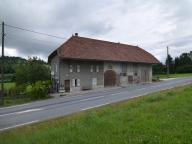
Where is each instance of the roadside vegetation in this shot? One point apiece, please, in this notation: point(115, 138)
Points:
point(164, 76)
point(179, 67)
point(31, 81)
point(162, 117)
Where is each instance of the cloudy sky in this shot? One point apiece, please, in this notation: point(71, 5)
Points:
point(151, 24)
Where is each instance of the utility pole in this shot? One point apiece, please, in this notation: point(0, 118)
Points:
point(2, 64)
point(167, 61)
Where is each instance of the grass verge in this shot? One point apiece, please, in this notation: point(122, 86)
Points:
point(162, 117)
point(173, 75)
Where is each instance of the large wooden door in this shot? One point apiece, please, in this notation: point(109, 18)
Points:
point(109, 78)
point(67, 85)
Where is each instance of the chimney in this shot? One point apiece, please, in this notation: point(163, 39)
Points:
point(76, 34)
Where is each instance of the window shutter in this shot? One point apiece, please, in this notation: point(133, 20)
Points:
point(73, 82)
point(78, 82)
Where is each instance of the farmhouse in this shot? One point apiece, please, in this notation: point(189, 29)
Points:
point(84, 63)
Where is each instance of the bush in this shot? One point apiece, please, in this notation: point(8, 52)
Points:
point(39, 90)
point(17, 91)
point(184, 69)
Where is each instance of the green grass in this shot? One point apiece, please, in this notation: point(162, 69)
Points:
point(174, 75)
point(162, 117)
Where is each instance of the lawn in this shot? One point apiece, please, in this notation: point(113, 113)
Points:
point(162, 117)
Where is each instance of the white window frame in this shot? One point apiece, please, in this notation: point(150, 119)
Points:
point(91, 68)
point(78, 68)
point(70, 68)
point(97, 68)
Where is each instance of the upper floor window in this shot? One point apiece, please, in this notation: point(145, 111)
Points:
point(124, 68)
point(110, 67)
point(70, 68)
point(78, 68)
point(91, 68)
point(97, 68)
point(56, 67)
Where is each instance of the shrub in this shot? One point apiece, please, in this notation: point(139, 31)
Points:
point(39, 90)
point(184, 69)
point(17, 91)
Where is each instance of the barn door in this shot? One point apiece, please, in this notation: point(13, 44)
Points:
point(109, 78)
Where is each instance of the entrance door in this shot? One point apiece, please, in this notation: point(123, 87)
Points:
point(109, 78)
point(67, 85)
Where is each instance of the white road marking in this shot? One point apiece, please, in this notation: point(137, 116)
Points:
point(26, 111)
point(19, 125)
point(94, 106)
point(20, 112)
point(92, 98)
point(116, 93)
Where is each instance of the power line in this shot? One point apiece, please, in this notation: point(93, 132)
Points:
point(32, 31)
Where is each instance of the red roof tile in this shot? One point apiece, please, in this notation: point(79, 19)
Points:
point(91, 49)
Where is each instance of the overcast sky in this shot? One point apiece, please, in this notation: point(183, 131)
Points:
point(150, 24)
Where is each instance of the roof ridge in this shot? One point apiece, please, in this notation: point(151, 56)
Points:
point(112, 42)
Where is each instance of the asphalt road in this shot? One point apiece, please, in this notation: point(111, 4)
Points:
point(16, 116)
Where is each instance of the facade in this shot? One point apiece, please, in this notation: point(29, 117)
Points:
point(83, 64)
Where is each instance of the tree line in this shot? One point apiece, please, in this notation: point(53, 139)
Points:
point(181, 64)
point(10, 63)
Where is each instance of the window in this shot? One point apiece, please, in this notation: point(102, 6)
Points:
point(70, 68)
point(124, 68)
point(91, 68)
point(55, 67)
point(97, 68)
point(75, 82)
point(78, 82)
point(94, 81)
point(110, 67)
point(78, 68)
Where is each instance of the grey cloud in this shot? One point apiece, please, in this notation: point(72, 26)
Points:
point(61, 18)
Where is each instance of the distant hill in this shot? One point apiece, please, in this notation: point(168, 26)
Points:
point(10, 63)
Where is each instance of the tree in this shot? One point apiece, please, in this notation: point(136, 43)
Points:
point(170, 61)
point(159, 69)
point(31, 71)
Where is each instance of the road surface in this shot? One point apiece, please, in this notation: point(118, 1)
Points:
point(20, 115)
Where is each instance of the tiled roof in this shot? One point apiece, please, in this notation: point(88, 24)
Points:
point(91, 49)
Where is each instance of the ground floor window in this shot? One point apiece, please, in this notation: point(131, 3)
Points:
point(75, 82)
point(94, 81)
